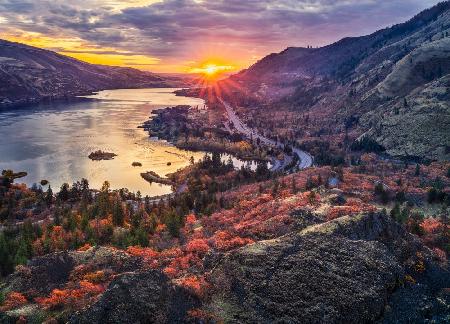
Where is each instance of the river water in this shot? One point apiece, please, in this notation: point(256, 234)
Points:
point(52, 141)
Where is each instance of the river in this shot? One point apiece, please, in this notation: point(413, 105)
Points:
point(52, 141)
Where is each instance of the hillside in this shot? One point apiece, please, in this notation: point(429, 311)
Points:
point(392, 84)
point(30, 74)
point(241, 255)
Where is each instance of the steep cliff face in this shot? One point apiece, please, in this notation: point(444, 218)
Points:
point(392, 79)
point(29, 74)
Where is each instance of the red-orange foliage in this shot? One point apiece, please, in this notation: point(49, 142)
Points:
point(160, 228)
point(38, 247)
point(96, 277)
point(171, 272)
point(171, 253)
point(440, 254)
point(352, 207)
point(85, 247)
point(201, 315)
point(431, 225)
point(72, 297)
point(225, 241)
point(13, 300)
point(195, 284)
point(199, 246)
point(149, 255)
point(143, 252)
point(190, 219)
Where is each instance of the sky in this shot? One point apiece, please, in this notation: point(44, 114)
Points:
point(189, 35)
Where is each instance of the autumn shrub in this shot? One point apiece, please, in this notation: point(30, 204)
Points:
point(13, 300)
point(431, 225)
point(85, 247)
point(202, 315)
point(142, 252)
point(199, 246)
point(171, 272)
point(97, 277)
point(71, 297)
point(440, 255)
point(352, 207)
point(195, 284)
point(225, 241)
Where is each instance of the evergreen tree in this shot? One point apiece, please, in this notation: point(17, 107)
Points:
point(173, 223)
point(275, 187)
point(117, 213)
point(22, 253)
point(417, 172)
point(432, 195)
point(140, 237)
point(49, 196)
point(6, 263)
point(64, 194)
point(395, 212)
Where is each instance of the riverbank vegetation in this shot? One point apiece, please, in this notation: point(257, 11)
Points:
point(202, 130)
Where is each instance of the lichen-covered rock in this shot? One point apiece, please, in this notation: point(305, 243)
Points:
point(140, 297)
point(53, 271)
point(343, 271)
point(41, 275)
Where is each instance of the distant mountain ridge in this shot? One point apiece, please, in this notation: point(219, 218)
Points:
point(395, 82)
point(29, 74)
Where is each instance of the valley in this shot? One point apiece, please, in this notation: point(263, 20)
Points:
point(312, 186)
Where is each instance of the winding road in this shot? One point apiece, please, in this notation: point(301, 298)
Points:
point(305, 159)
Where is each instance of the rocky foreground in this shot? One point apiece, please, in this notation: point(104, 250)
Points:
point(348, 270)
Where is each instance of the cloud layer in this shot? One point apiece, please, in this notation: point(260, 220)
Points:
point(178, 33)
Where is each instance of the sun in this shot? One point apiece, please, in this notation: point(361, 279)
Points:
point(212, 70)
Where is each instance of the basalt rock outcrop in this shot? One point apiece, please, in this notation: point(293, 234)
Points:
point(344, 271)
point(140, 297)
point(354, 269)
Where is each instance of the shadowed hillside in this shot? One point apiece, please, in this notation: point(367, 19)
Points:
point(29, 74)
point(394, 82)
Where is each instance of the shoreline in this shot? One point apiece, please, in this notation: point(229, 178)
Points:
point(173, 124)
point(25, 103)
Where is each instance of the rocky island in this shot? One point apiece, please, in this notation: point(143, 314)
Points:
point(13, 175)
point(100, 155)
point(152, 176)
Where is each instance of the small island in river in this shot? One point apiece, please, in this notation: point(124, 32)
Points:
point(100, 155)
point(152, 176)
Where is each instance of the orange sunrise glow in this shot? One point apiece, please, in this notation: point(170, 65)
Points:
point(212, 70)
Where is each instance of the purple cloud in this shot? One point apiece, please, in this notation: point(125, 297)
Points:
point(174, 29)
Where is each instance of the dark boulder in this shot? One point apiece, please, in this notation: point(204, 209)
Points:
point(42, 274)
point(140, 297)
point(343, 271)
